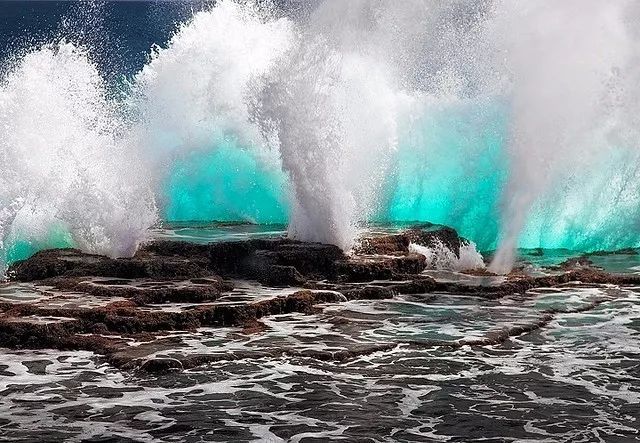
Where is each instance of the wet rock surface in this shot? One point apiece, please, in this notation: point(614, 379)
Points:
point(272, 339)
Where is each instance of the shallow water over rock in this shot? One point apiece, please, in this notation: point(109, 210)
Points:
point(550, 355)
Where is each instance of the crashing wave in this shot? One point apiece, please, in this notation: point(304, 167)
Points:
point(485, 116)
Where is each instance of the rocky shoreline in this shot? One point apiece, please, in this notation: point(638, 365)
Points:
point(126, 309)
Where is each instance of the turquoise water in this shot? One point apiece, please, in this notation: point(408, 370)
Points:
point(451, 170)
point(21, 246)
point(226, 184)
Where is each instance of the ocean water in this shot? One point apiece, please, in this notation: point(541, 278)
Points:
point(514, 122)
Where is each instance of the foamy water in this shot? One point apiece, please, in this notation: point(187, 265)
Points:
point(576, 379)
point(440, 257)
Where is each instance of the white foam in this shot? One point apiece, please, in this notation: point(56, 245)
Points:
point(64, 162)
point(442, 258)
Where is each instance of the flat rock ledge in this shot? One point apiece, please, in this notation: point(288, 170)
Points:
point(78, 301)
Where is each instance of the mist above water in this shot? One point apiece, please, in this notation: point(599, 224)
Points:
point(570, 65)
point(513, 122)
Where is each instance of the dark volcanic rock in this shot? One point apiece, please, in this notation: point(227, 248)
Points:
point(52, 263)
point(73, 263)
point(398, 244)
point(277, 261)
point(148, 291)
point(35, 332)
point(278, 275)
point(383, 244)
point(267, 260)
point(97, 303)
point(161, 365)
point(369, 293)
point(432, 238)
point(363, 269)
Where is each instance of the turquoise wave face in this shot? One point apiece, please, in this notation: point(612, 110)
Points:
point(595, 209)
point(22, 246)
point(226, 184)
point(451, 168)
